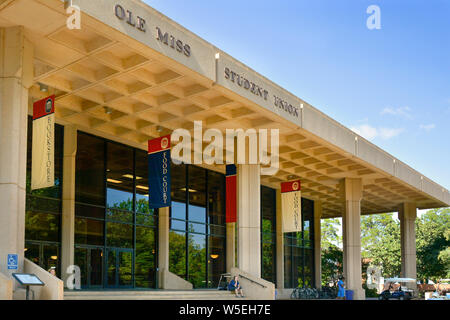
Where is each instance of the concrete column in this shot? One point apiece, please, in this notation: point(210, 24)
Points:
point(163, 242)
point(317, 244)
point(231, 246)
point(249, 219)
point(280, 243)
point(16, 77)
point(351, 190)
point(407, 215)
point(68, 201)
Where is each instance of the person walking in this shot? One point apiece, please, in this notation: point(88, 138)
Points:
point(341, 288)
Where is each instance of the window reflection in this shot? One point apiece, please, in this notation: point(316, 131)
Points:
point(204, 252)
point(268, 235)
point(299, 251)
point(90, 170)
point(197, 260)
point(43, 210)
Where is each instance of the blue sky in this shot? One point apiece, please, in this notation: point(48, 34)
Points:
point(391, 85)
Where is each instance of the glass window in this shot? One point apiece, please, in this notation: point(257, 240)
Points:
point(216, 198)
point(204, 256)
point(197, 260)
point(177, 253)
point(119, 235)
point(42, 226)
point(87, 211)
point(43, 209)
point(216, 260)
point(178, 193)
point(90, 170)
point(145, 262)
point(299, 251)
point(268, 233)
point(178, 180)
point(88, 231)
point(197, 194)
point(120, 177)
point(142, 183)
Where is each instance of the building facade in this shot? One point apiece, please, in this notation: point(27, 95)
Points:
point(129, 75)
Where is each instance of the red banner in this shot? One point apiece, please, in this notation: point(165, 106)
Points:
point(159, 144)
point(231, 189)
point(43, 107)
point(290, 186)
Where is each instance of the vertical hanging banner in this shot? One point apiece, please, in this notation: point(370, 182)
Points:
point(43, 149)
point(231, 193)
point(291, 206)
point(159, 172)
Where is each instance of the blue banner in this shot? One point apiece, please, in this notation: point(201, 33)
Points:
point(159, 173)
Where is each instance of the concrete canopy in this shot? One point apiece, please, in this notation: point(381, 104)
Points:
point(116, 81)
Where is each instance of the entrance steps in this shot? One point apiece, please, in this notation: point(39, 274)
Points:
point(151, 295)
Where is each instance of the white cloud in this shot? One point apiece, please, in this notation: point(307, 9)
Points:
point(366, 131)
point(427, 127)
point(404, 112)
point(387, 133)
point(370, 133)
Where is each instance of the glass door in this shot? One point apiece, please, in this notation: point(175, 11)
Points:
point(119, 273)
point(90, 262)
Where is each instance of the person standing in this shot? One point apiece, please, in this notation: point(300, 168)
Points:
point(341, 288)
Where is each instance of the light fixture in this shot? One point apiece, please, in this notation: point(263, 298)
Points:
point(217, 56)
point(190, 190)
point(54, 257)
point(43, 87)
point(159, 128)
point(214, 256)
point(130, 176)
point(113, 181)
point(108, 110)
point(26, 249)
point(142, 187)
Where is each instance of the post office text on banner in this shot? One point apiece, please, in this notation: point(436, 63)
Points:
point(43, 147)
point(159, 182)
point(291, 206)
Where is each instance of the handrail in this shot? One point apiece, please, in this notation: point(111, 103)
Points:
point(251, 280)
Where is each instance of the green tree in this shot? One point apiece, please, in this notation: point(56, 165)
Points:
point(432, 242)
point(444, 255)
point(332, 256)
point(380, 243)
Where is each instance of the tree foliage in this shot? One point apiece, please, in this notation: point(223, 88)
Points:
point(433, 243)
point(381, 245)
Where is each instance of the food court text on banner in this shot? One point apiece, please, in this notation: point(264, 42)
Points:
point(159, 172)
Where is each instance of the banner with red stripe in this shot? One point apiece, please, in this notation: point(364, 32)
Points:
point(43, 144)
point(291, 206)
point(231, 193)
point(159, 180)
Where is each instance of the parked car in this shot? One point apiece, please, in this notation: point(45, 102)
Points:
point(397, 288)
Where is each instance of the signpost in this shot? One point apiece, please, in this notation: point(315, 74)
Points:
point(28, 280)
point(13, 261)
